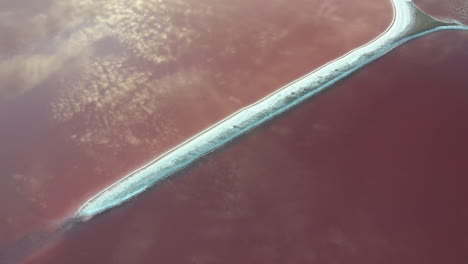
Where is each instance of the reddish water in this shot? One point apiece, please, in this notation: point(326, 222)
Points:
point(370, 173)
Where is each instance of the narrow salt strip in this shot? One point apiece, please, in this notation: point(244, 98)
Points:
point(409, 22)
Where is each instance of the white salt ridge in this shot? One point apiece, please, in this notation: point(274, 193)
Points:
point(409, 22)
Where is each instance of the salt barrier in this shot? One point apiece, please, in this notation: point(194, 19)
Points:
point(409, 22)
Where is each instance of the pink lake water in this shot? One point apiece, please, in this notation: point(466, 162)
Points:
point(373, 171)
